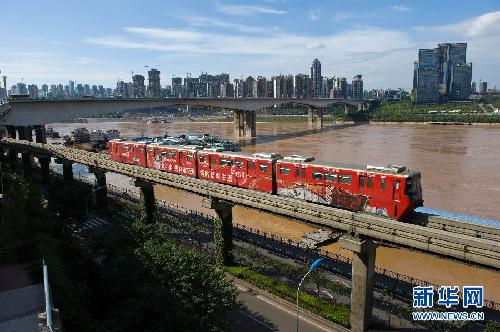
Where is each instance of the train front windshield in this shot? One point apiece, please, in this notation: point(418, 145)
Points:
point(414, 189)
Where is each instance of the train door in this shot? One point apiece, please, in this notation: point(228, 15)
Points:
point(396, 192)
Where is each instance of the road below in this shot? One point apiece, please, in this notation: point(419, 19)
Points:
point(261, 311)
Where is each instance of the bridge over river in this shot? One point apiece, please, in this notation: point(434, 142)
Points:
point(33, 112)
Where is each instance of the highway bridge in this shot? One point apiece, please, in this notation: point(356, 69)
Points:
point(469, 242)
point(32, 112)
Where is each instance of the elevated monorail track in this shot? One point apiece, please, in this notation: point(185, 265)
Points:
point(475, 243)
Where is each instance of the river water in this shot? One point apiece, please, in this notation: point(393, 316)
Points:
point(460, 168)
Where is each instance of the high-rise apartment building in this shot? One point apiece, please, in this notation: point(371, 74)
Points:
point(340, 88)
point(33, 91)
point(154, 87)
point(483, 86)
point(139, 87)
point(301, 86)
point(177, 87)
point(357, 87)
point(473, 87)
point(259, 89)
point(71, 85)
point(316, 79)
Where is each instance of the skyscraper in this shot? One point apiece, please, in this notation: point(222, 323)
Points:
point(357, 87)
point(154, 87)
point(71, 88)
point(483, 86)
point(316, 79)
point(427, 79)
point(449, 63)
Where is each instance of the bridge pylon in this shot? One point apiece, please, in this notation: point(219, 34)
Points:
point(245, 124)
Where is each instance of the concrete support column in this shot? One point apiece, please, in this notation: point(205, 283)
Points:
point(223, 232)
point(310, 118)
point(100, 188)
point(319, 118)
point(12, 153)
point(346, 109)
point(44, 168)
point(40, 134)
point(245, 124)
point(67, 170)
point(25, 133)
point(363, 269)
point(148, 199)
point(11, 132)
point(314, 118)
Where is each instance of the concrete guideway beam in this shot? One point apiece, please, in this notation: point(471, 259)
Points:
point(245, 124)
point(223, 230)
point(147, 198)
point(453, 242)
point(100, 188)
point(363, 270)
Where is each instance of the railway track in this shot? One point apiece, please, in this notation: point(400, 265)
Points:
point(466, 241)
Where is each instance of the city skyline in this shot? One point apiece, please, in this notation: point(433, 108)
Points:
point(378, 40)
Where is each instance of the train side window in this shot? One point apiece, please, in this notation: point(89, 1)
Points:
point(151, 151)
point(251, 165)
point(222, 162)
point(238, 163)
point(124, 148)
point(297, 172)
point(163, 154)
point(229, 162)
point(181, 155)
point(303, 172)
point(189, 156)
point(382, 183)
point(202, 158)
point(317, 176)
point(345, 178)
point(263, 168)
point(362, 181)
point(370, 182)
point(396, 184)
point(332, 177)
point(284, 170)
point(213, 162)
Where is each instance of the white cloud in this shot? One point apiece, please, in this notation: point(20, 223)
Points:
point(314, 14)
point(247, 10)
point(401, 9)
point(486, 24)
point(200, 21)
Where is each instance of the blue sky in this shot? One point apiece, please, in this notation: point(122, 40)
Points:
point(101, 41)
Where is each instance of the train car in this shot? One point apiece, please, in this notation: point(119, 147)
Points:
point(389, 191)
point(128, 152)
point(251, 171)
point(172, 159)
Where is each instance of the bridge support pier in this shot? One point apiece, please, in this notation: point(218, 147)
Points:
point(67, 170)
point(147, 198)
point(11, 153)
point(25, 133)
point(315, 118)
point(223, 232)
point(40, 135)
point(44, 168)
point(363, 269)
point(245, 124)
point(100, 188)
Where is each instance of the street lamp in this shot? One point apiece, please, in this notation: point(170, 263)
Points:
point(312, 267)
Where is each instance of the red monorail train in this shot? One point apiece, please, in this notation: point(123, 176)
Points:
point(389, 191)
